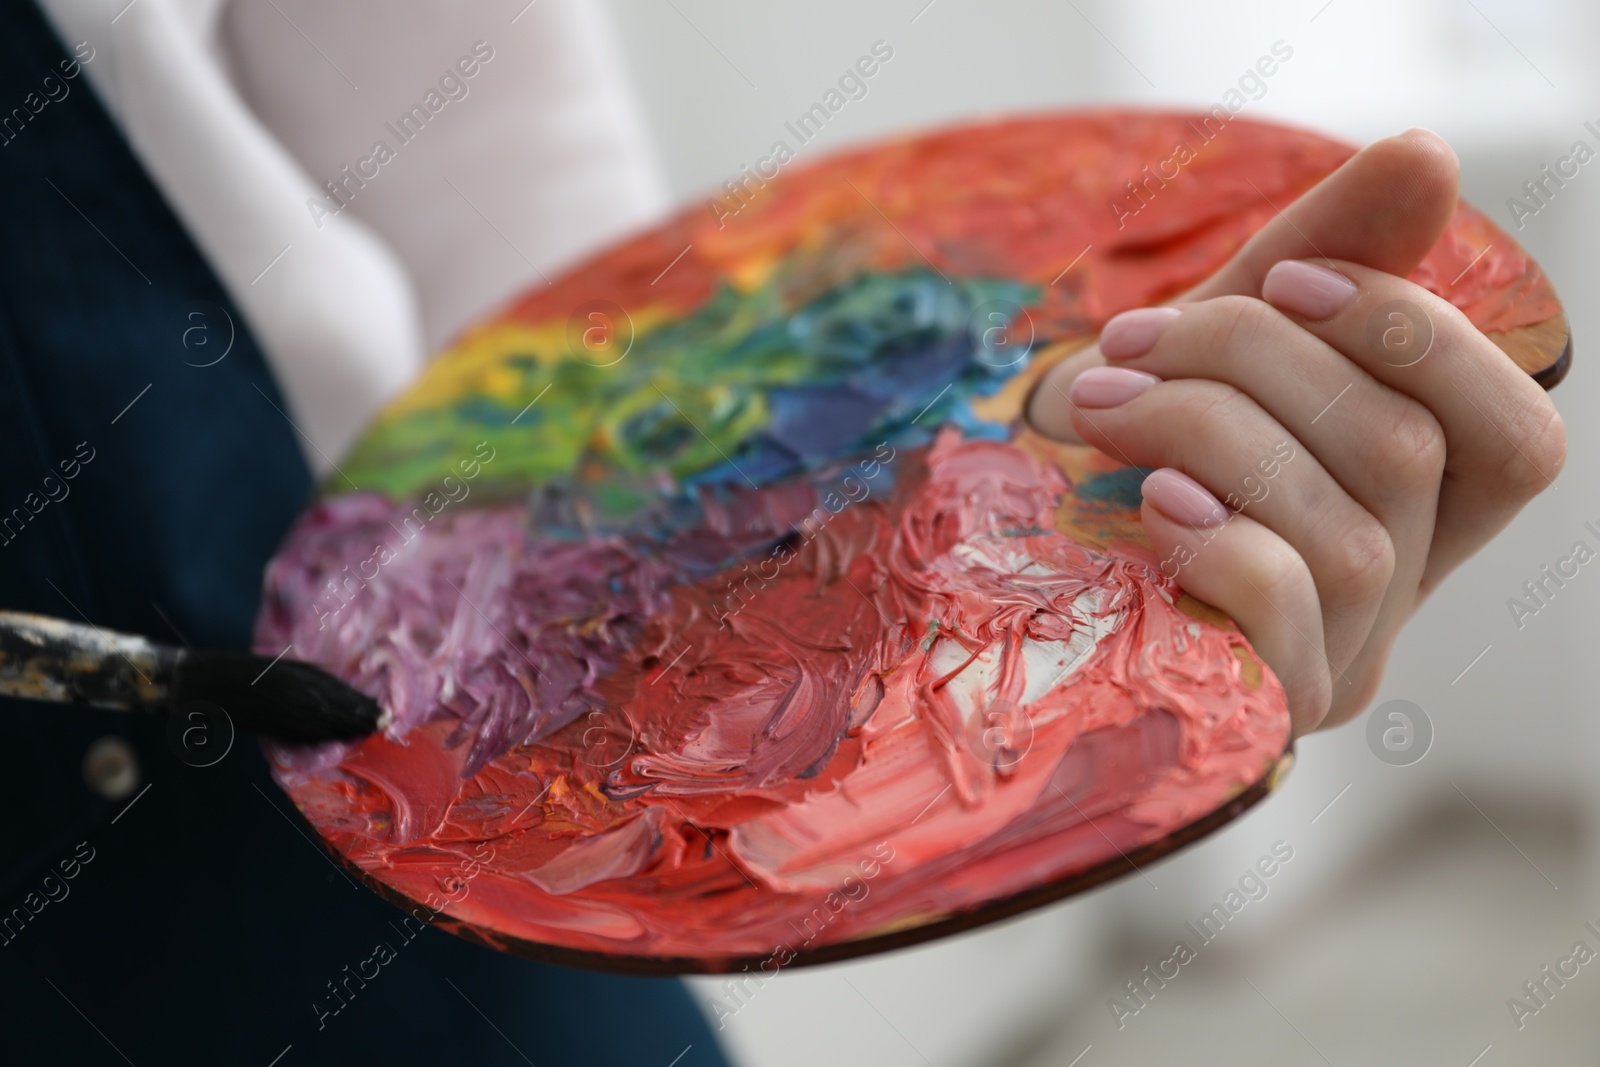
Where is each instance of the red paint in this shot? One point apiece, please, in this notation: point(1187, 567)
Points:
point(821, 734)
point(1023, 198)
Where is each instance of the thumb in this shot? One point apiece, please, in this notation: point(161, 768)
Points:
point(1384, 208)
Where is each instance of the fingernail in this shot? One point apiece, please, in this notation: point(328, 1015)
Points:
point(1106, 387)
point(1182, 499)
point(1132, 333)
point(1307, 289)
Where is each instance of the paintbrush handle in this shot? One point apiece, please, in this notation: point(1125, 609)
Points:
point(48, 659)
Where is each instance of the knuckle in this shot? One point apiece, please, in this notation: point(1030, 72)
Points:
point(1414, 452)
point(1282, 578)
point(1360, 564)
point(1310, 697)
point(1539, 454)
point(1206, 407)
point(1354, 695)
point(1236, 323)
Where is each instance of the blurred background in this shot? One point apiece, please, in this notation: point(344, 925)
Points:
point(1426, 887)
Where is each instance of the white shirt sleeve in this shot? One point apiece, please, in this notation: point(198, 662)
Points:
point(242, 110)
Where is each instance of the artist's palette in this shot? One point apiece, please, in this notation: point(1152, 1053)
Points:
point(728, 615)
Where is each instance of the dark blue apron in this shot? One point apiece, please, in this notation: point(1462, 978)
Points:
point(157, 903)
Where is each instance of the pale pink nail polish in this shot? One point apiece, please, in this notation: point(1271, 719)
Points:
point(1106, 387)
point(1132, 333)
point(1182, 499)
point(1307, 289)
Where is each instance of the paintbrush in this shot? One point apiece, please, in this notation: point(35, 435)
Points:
point(61, 662)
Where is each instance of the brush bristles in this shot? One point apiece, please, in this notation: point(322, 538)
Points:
point(285, 701)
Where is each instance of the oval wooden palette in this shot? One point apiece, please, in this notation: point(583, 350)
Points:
point(730, 618)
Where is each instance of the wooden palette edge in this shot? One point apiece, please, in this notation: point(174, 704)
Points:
point(1000, 910)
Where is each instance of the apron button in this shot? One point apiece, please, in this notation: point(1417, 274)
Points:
point(111, 768)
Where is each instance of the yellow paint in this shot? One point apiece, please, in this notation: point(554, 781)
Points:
point(479, 364)
point(1199, 609)
point(1280, 770)
point(906, 922)
point(1006, 405)
point(1249, 667)
point(751, 274)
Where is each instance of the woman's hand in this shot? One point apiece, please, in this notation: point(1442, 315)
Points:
point(1315, 483)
